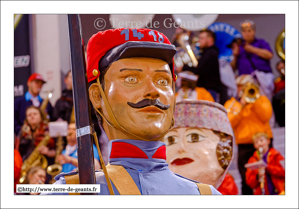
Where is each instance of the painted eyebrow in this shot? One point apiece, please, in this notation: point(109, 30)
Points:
point(163, 71)
point(188, 129)
point(139, 70)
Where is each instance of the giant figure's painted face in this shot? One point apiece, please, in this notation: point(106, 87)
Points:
point(132, 82)
point(196, 148)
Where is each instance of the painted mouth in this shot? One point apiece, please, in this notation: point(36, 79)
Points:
point(151, 109)
point(182, 161)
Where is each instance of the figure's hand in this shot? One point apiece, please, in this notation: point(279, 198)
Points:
point(249, 48)
point(69, 159)
point(43, 150)
point(46, 151)
point(62, 159)
point(235, 49)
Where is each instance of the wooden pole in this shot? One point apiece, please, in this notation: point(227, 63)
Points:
point(81, 103)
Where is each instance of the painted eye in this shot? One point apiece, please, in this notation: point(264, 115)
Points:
point(162, 82)
point(131, 79)
point(194, 137)
point(170, 140)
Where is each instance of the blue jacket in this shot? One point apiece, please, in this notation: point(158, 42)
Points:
point(145, 162)
point(20, 106)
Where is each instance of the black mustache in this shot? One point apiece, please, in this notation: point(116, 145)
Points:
point(149, 102)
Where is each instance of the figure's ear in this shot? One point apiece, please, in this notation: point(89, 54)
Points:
point(95, 96)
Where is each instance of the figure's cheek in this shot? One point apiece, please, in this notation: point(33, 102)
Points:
point(171, 151)
point(199, 154)
point(119, 109)
point(171, 96)
point(111, 90)
point(167, 94)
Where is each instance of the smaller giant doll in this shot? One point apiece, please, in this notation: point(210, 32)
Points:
point(200, 145)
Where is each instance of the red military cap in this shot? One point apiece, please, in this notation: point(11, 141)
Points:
point(36, 76)
point(108, 46)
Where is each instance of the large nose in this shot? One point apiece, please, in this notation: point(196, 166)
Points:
point(181, 147)
point(151, 91)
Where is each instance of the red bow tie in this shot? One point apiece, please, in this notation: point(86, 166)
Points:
point(126, 150)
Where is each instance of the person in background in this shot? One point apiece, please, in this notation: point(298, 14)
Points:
point(188, 89)
point(179, 31)
point(36, 175)
point(246, 120)
point(278, 100)
point(31, 98)
point(208, 65)
point(252, 56)
point(273, 175)
point(64, 105)
point(69, 158)
point(33, 132)
point(279, 82)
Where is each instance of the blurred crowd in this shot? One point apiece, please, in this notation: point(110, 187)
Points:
point(254, 99)
point(255, 107)
point(39, 156)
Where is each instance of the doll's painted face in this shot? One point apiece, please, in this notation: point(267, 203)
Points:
point(129, 83)
point(191, 152)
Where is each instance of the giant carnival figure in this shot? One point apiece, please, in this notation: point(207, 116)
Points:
point(131, 88)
